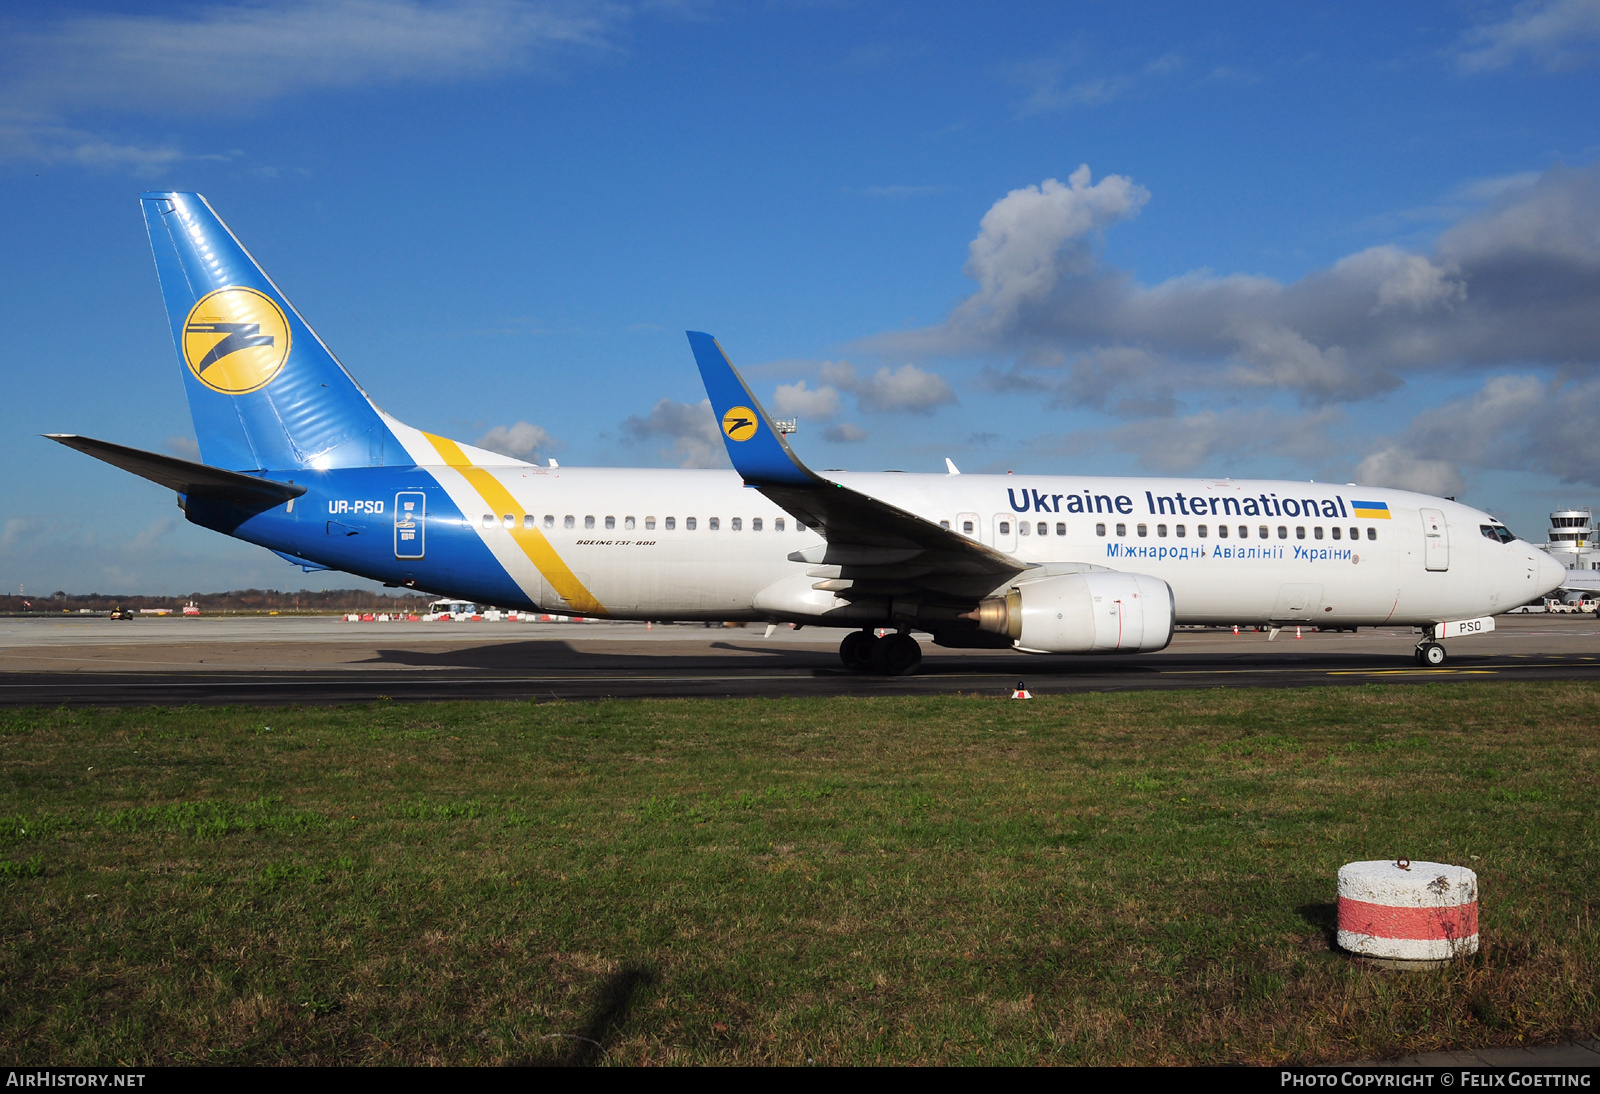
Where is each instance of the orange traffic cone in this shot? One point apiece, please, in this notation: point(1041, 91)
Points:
point(1236, 628)
point(1297, 633)
point(1021, 692)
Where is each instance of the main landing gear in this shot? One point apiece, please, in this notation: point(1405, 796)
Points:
point(892, 655)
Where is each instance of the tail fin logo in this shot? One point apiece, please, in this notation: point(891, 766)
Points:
point(235, 340)
point(739, 423)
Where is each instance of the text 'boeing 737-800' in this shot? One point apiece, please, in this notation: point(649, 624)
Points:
point(297, 459)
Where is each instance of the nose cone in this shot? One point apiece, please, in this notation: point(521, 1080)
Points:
point(1551, 573)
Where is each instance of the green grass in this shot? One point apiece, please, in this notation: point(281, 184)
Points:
point(1100, 879)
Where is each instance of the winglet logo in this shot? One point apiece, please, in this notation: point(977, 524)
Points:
point(740, 423)
point(235, 340)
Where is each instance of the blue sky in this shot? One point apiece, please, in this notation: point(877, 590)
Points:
point(1337, 242)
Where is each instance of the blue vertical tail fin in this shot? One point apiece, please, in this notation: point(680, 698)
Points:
point(265, 393)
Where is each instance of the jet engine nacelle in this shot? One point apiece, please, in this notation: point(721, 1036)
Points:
point(1100, 612)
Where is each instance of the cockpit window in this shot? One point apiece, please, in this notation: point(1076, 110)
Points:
point(1497, 532)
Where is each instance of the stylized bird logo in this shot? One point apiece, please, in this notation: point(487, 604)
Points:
point(235, 340)
point(740, 423)
point(239, 336)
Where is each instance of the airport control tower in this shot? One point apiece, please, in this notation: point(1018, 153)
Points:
point(1572, 539)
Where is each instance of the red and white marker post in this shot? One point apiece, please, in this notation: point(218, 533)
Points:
point(1408, 911)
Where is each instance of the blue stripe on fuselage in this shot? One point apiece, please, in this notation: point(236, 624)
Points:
point(345, 521)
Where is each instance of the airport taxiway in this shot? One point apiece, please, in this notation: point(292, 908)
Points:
point(169, 660)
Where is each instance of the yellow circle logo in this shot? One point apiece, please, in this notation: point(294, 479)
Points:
point(740, 423)
point(235, 340)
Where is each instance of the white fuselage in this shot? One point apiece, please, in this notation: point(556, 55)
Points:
point(1273, 563)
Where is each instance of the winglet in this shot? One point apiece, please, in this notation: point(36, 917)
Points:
point(758, 451)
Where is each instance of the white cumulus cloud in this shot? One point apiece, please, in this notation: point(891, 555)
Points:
point(1554, 34)
point(523, 441)
point(907, 388)
point(689, 429)
point(1515, 283)
point(1034, 234)
point(796, 399)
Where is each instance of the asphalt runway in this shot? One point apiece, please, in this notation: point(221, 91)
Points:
point(276, 660)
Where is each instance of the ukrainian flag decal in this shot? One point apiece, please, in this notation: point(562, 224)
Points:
point(1378, 510)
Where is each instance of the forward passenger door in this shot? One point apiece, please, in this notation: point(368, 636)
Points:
point(1436, 540)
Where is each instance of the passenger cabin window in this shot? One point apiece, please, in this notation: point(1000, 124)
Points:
point(688, 524)
point(945, 525)
point(649, 524)
point(1337, 532)
point(777, 524)
point(1283, 533)
point(1122, 529)
point(799, 527)
point(736, 524)
point(488, 520)
point(1023, 527)
point(529, 520)
point(1005, 528)
point(611, 523)
point(568, 521)
point(627, 523)
point(588, 522)
point(549, 520)
point(1300, 531)
point(1262, 531)
point(1181, 531)
point(714, 524)
point(508, 521)
point(1200, 530)
point(1161, 530)
point(1355, 533)
point(1061, 529)
point(755, 524)
point(1222, 531)
point(1144, 530)
point(1099, 529)
point(1316, 533)
point(1372, 533)
point(1044, 529)
point(672, 522)
point(966, 527)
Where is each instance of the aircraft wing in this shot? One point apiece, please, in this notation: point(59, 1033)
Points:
point(186, 477)
point(1582, 581)
point(881, 548)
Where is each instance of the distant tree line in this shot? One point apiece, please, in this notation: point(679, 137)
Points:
point(237, 600)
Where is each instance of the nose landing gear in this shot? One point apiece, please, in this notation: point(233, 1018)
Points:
point(892, 655)
point(1430, 654)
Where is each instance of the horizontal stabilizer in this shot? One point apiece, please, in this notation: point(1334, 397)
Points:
point(184, 476)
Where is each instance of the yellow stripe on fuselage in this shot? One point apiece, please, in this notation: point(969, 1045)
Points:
point(531, 540)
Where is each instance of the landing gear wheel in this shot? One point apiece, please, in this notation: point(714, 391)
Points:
point(1431, 654)
point(856, 650)
point(896, 655)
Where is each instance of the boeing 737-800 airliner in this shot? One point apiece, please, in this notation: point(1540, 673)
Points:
point(297, 459)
